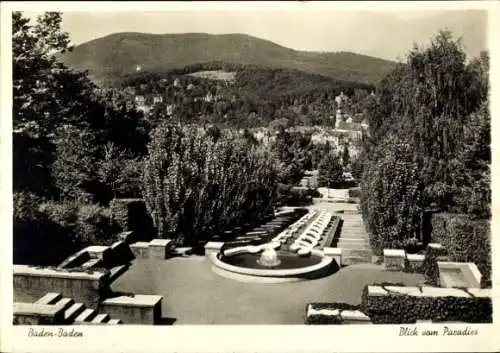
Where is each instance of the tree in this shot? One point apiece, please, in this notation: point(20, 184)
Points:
point(426, 123)
point(330, 172)
point(391, 195)
point(49, 100)
point(345, 155)
point(196, 186)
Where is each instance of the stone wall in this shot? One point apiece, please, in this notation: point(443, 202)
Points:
point(31, 283)
point(136, 309)
point(37, 314)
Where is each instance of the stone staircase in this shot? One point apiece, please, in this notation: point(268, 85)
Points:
point(76, 313)
point(354, 240)
point(335, 194)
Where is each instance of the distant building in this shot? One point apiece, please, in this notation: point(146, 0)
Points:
point(209, 97)
point(177, 83)
point(341, 99)
point(170, 109)
point(129, 90)
point(157, 100)
point(140, 100)
point(190, 87)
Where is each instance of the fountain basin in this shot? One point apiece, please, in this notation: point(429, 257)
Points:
point(246, 267)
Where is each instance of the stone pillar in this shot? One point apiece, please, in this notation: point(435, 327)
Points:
point(212, 247)
point(394, 259)
point(158, 248)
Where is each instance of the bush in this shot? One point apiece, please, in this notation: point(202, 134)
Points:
point(41, 234)
point(195, 185)
point(290, 196)
point(355, 192)
point(406, 309)
point(94, 225)
point(465, 239)
point(430, 267)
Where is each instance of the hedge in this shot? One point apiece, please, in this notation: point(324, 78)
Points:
point(405, 309)
point(466, 240)
point(320, 319)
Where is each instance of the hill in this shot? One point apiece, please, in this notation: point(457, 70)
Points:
point(239, 95)
point(111, 57)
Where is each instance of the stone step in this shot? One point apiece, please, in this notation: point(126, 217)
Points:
point(65, 303)
point(354, 260)
point(353, 236)
point(85, 317)
point(353, 230)
point(350, 237)
point(117, 271)
point(100, 319)
point(351, 249)
point(355, 240)
point(114, 322)
point(49, 298)
point(73, 311)
point(357, 252)
point(92, 263)
point(353, 245)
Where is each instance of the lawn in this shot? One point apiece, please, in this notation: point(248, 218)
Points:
point(193, 294)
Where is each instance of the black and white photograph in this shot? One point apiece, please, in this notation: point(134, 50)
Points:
point(328, 168)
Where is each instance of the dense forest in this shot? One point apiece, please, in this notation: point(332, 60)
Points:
point(254, 96)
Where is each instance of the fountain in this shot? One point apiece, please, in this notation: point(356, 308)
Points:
point(269, 258)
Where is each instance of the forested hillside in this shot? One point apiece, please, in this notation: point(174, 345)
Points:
point(110, 57)
point(253, 97)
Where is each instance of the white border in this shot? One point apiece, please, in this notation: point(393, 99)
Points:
point(234, 338)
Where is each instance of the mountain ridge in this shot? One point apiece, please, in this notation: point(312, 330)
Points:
point(118, 54)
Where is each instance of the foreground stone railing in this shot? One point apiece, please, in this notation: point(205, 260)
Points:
point(316, 314)
point(31, 283)
point(386, 304)
point(137, 309)
point(37, 314)
point(427, 291)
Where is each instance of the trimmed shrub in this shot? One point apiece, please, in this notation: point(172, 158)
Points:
point(430, 267)
point(466, 240)
point(407, 309)
point(355, 192)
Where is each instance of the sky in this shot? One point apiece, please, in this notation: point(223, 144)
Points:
point(388, 35)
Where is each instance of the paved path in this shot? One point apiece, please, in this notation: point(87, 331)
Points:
point(193, 294)
point(353, 239)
